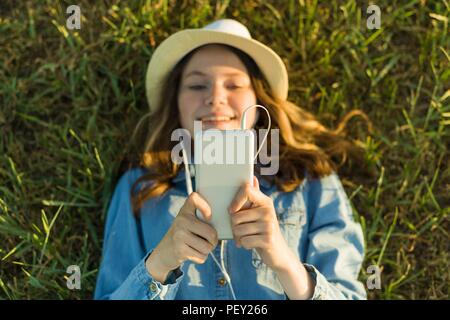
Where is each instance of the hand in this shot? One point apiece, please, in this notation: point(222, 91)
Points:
point(189, 238)
point(255, 225)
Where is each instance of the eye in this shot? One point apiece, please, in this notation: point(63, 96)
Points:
point(197, 87)
point(234, 87)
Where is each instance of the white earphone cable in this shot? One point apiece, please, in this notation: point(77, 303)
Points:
point(243, 123)
point(189, 190)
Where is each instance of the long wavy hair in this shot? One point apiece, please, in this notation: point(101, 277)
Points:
point(304, 143)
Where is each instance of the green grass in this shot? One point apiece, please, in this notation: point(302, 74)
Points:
point(69, 101)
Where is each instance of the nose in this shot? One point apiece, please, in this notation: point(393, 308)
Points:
point(216, 96)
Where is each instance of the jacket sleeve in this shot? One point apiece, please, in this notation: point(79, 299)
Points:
point(335, 249)
point(122, 273)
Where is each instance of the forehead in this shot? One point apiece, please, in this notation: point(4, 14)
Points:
point(215, 59)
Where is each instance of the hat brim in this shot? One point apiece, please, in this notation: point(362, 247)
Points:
point(174, 48)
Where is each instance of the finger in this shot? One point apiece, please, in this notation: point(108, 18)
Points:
point(203, 230)
point(253, 241)
point(200, 244)
point(196, 201)
point(194, 255)
point(248, 229)
point(244, 194)
point(244, 216)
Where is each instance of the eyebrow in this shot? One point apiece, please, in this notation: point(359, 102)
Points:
point(199, 73)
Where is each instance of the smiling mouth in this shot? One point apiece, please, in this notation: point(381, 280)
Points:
point(214, 119)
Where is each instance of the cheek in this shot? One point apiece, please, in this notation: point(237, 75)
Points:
point(187, 106)
point(245, 100)
point(243, 103)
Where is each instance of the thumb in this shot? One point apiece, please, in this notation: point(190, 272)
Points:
point(255, 182)
point(195, 202)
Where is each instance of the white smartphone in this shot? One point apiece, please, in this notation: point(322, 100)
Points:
point(224, 161)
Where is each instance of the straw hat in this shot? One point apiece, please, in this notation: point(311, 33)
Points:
point(224, 31)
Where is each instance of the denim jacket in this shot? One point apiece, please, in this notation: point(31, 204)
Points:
point(315, 219)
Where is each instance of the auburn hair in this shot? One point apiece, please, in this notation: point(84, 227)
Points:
point(304, 143)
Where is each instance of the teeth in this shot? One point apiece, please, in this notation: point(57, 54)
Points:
point(219, 118)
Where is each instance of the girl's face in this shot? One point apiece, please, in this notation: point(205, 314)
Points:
point(215, 88)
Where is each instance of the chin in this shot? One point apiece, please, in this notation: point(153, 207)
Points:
point(220, 125)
